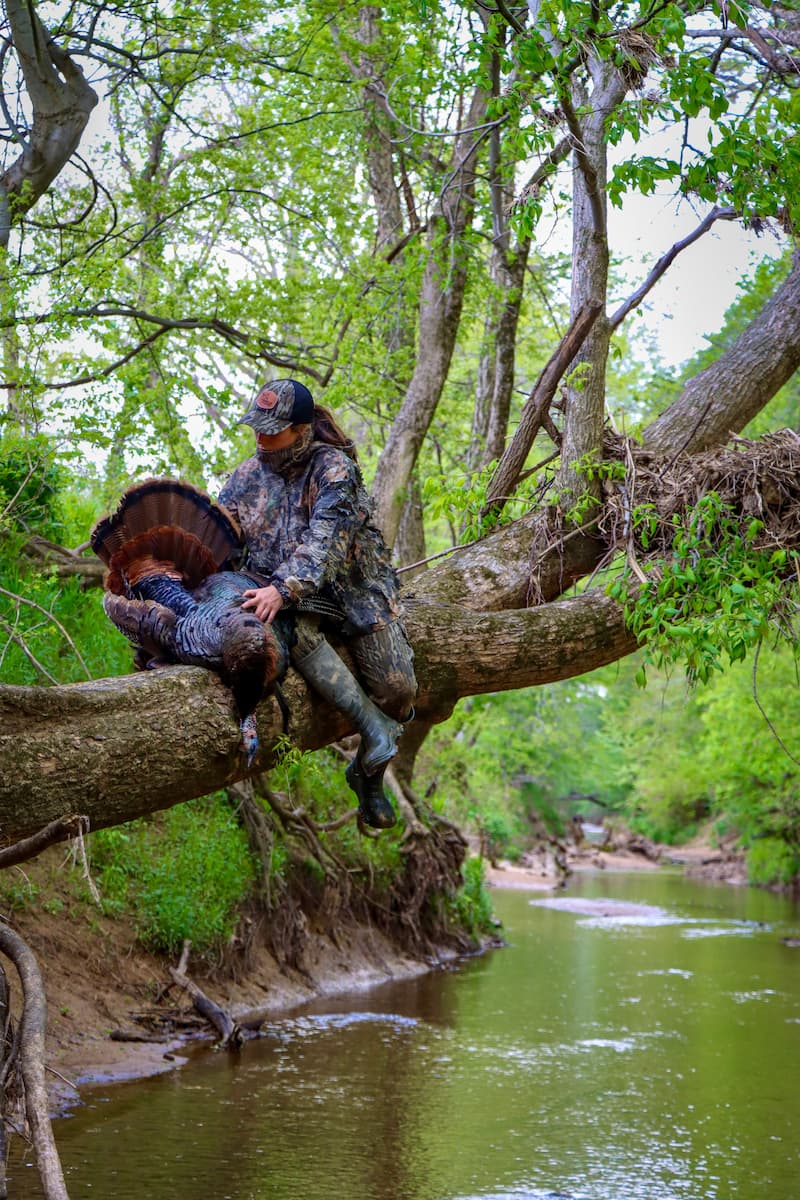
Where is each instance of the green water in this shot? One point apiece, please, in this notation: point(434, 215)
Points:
point(617, 1058)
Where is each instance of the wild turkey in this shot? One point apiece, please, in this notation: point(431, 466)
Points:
point(168, 590)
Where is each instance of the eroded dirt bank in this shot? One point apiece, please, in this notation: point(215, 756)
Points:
point(113, 1012)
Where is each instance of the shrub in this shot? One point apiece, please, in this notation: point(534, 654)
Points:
point(183, 875)
point(471, 907)
point(771, 860)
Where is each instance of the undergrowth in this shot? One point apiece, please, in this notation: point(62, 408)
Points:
point(470, 908)
point(182, 874)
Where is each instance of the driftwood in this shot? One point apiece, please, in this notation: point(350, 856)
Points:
point(230, 1033)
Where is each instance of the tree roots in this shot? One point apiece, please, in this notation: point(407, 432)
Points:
point(27, 1056)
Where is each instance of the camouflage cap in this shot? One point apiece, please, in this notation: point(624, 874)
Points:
point(279, 404)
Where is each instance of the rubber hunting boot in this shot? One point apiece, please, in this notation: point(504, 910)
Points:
point(375, 809)
point(329, 676)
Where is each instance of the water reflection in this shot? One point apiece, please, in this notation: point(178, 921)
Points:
point(595, 1059)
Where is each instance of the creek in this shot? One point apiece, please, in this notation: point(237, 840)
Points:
point(644, 1047)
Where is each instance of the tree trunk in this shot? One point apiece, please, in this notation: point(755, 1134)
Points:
point(119, 748)
point(723, 398)
point(397, 325)
point(584, 414)
point(410, 545)
point(441, 301)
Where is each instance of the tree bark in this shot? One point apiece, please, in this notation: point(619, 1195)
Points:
point(120, 748)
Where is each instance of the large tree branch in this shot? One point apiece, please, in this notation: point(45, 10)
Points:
point(61, 100)
point(116, 749)
point(249, 344)
point(723, 398)
point(534, 411)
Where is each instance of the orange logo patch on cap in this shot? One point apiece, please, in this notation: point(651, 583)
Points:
point(267, 399)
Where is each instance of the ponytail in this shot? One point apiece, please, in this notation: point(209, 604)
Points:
point(326, 430)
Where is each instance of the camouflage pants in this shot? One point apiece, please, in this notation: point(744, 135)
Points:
point(384, 663)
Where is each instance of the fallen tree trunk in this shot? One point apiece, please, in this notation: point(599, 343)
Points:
point(230, 1034)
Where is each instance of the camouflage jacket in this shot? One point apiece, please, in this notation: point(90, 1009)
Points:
point(307, 531)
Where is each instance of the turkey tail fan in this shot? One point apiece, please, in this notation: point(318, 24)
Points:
point(164, 550)
point(157, 503)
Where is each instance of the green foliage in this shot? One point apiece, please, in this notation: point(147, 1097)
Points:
point(693, 756)
point(183, 875)
point(770, 860)
point(597, 470)
point(497, 831)
point(65, 633)
point(507, 767)
point(17, 892)
point(470, 909)
point(30, 480)
point(460, 502)
point(714, 596)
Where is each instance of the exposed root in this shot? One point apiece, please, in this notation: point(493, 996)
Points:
point(31, 1062)
point(59, 830)
point(413, 826)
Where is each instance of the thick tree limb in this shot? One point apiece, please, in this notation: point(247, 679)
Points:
point(120, 748)
point(61, 100)
point(723, 398)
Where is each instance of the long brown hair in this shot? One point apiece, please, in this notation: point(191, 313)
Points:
point(326, 430)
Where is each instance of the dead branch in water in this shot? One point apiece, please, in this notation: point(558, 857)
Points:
point(230, 1033)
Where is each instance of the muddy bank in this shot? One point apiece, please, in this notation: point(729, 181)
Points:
point(546, 868)
point(113, 1011)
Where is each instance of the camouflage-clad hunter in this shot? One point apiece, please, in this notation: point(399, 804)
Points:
point(305, 516)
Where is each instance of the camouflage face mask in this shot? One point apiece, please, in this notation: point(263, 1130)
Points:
point(289, 455)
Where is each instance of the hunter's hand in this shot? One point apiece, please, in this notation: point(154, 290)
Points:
point(265, 602)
